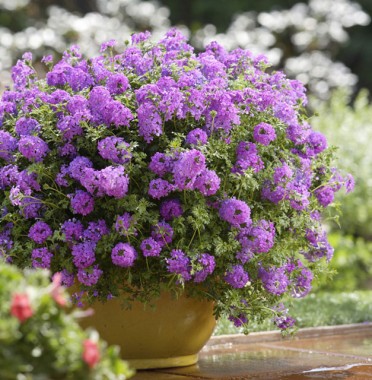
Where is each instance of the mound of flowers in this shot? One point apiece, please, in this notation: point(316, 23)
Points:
point(158, 167)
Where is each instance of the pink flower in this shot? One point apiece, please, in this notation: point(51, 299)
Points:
point(57, 290)
point(91, 354)
point(21, 307)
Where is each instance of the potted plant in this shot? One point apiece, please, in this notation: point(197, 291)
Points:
point(40, 337)
point(155, 169)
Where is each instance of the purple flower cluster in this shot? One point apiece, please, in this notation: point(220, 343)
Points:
point(291, 185)
point(171, 209)
point(318, 246)
point(89, 276)
point(73, 230)
point(325, 195)
point(33, 148)
point(239, 320)
point(39, 232)
point(150, 247)
point(207, 264)
point(237, 277)
point(257, 238)
point(82, 203)
point(41, 258)
point(114, 149)
point(6, 242)
point(159, 188)
point(111, 181)
point(83, 254)
point(189, 173)
point(275, 280)
point(282, 320)
point(264, 133)
point(187, 167)
point(161, 164)
point(197, 137)
point(26, 126)
point(180, 264)
point(235, 212)
point(247, 157)
point(123, 255)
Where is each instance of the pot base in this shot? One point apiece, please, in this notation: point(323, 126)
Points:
point(168, 335)
point(178, 361)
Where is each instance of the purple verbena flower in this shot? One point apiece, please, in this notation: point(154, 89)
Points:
point(238, 320)
point(41, 258)
point(123, 255)
point(114, 181)
point(140, 37)
point(83, 254)
point(67, 278)
point(258, 238)
point(26, 126)
point(89, 276)
point(264, 133)
point(237, 277)
point(117, 83)
point(159, 188)
point(179, 263)
point(325, 195)
point(73, 230)
point(81, 202)
point(149, 122)
point(8, 176)
point(150, 247)
point(303, 282)
point(96, 230)
point(207, 264)
point(114, 149)
point(282, 319)
point(70, 127)
point(67, 150)
point(187, 167)
point(106, 45)
point(207, 182)
point(197, 137)
point(282, 174)
point(349, 183)
point(39, 232)
point(77, 166)
point(318, 246)
point(170, 209)
point(33, 148)
point(247, 157)
point(274, 280)
point(235, 212)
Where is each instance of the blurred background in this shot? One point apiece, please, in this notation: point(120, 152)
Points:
point(327, 44)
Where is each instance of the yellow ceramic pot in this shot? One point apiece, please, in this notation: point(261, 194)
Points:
point(169, 335)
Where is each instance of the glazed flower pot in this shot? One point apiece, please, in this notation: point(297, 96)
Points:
point(168, 335)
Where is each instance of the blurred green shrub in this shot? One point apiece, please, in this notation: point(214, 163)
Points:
point(352, 263)
point(350, 128)
point(39, 340)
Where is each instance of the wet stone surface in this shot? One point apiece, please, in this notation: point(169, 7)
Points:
point(342, 352)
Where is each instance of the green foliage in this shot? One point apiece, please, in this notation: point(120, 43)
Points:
point(352, 264)
point(49, 344)
point(350, 128)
